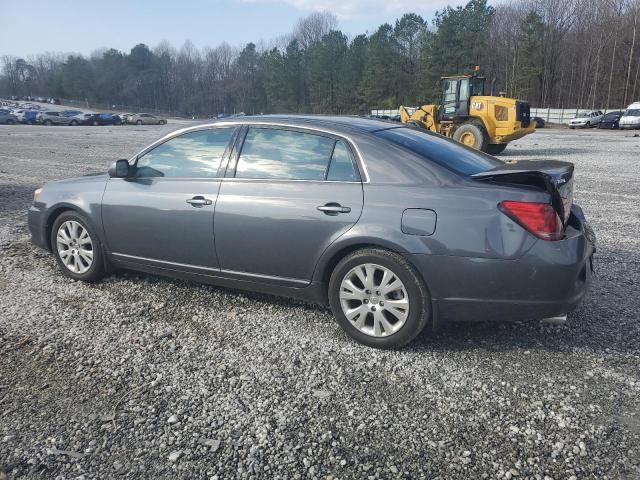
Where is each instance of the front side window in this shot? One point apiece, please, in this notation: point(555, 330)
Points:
point(284, 154)
point(196, 154)
point(449, 90)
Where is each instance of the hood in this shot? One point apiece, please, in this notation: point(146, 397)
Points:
point(630, 119)
point(97, 177)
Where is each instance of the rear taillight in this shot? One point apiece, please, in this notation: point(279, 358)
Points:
point(538, 218)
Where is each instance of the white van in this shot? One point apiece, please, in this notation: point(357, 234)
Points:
point(631, 116)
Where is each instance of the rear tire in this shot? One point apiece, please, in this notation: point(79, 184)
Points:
point(374, 324)
point(472, 135)
point(10, 122)
point(495, 148)
point(77, 247)
point(95, 123)
point(48, 123)
point(139, 122)
point(74, 123)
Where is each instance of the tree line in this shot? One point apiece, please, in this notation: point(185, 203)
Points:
point(553, 53)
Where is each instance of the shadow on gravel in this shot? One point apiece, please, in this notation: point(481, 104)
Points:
point(606, 322)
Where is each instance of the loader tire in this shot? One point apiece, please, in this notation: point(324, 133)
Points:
point(472, 135)
point(495, 148)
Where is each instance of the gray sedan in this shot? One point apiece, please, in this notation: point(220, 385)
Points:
point(394, 228)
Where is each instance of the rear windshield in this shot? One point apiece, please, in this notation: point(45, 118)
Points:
point(441, 150)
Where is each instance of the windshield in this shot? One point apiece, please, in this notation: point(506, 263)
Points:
point(632, 113)
point(441, 150)
point(582, 115)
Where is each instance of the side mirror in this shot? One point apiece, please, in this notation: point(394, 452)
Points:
point(120, 169)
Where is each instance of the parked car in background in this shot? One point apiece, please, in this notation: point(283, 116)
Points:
point(586, 120)
point(31, 106)
point(125, 117)
point(80, 118)
point(146, 119)
point(26, 116)
point(104, 119)
point(7, 118)
point(631, 117)
point(71, 113)
point(610, 120)
point(540, 123)
point(52, 118)
point(390, 226)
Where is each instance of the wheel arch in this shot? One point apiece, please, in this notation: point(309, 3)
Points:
point(58, 210)
point(334, 254)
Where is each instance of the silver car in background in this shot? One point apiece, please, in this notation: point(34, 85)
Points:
point(586, 119)
point(52, 118)
point(146, 119)
point(630, 119)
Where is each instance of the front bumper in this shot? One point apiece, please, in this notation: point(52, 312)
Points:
point(552, 278)
point(506, 138)
point(629, 126)
point(38, 226)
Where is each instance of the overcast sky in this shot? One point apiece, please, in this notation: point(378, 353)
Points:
point(81, 26)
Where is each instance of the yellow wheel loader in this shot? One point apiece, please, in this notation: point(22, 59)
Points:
point(483, 122)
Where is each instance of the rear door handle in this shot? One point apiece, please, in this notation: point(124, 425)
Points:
point(333, 208)
point(199, 201)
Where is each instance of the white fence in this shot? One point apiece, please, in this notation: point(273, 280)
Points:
point(550, 115)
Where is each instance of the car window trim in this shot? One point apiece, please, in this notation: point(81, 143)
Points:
point(353, 161)
point(235, 156)
point(239, 124)
point(221, 168)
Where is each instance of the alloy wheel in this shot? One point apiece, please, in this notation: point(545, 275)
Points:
point(75, 247)
point(374, 300)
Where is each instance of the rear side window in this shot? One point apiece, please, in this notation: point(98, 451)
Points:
point(443, 151)
point(342, 166)
point(196, 154)
point(284, 154)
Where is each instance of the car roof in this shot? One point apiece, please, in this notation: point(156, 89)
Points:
point(335, 122)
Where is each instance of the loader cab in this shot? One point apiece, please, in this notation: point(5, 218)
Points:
point(456, 95)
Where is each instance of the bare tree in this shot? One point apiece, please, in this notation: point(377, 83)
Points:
point(311, 29)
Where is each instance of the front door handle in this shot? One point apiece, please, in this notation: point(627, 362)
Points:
point(333, 208)
point(199, 201)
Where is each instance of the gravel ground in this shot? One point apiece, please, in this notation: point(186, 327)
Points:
point(147, 377)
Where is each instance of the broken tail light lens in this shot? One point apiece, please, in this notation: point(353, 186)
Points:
point(538, 218)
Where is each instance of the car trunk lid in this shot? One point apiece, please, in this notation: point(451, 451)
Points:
point(553, 176)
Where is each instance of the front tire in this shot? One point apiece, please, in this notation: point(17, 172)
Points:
point(139, 122)
point(74, 123)
point(472, 135)
point(378, 298)
point(77, 248)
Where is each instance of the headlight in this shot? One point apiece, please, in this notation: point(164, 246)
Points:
point(36, 195)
